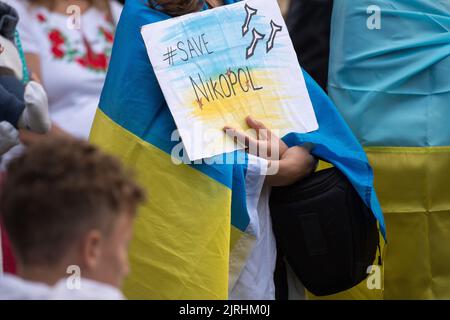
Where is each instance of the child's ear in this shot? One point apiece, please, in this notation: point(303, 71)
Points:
point(91, 249)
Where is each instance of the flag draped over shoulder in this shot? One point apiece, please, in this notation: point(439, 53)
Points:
point(192, 237)
point(389, 77)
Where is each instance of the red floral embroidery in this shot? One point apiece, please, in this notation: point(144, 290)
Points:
point(57, 52)
point(62, 49)
point(108, 35)
point(96, 61)
point(82, 61)
point(41, 17)
point(56, 37)
point(57, 40)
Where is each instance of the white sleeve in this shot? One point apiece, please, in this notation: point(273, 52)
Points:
point(254, 181)
point(255, 280)
point(27, 26)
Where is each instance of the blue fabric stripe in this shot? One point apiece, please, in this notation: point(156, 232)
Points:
point(392, 85)
point(239, 214)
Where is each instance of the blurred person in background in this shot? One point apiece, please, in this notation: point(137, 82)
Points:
point(67, 44)
point(86, 258)
point(389, 78)
point(309, 22)
point(69, 53)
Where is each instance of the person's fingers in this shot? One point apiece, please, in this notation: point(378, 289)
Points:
point(275, 141)
point(265, 134)
point(262, 133)
point(255, 124)
point(250, 143)
point(283, 146)
point(238, 136)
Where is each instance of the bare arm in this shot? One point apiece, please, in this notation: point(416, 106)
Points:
point(34, 64)
point(295, 164)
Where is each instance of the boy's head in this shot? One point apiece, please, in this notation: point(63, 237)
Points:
point(66, 203)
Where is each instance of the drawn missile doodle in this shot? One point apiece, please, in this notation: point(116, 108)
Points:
point(275, 29)
point(250, 13)
point(256, 37)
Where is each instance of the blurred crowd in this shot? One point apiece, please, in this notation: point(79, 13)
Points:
point(65, 52)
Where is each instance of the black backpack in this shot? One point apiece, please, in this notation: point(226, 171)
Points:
point(324, 231)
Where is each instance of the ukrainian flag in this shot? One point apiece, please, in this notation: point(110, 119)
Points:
point(192, 237)
point(389, 77)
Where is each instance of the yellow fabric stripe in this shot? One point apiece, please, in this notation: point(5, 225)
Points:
point(322, 165)
point(413, 185)
point(180, 248)
point(241, 245)
point(412, 179)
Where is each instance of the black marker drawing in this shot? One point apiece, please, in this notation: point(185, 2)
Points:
point(250, 13)
point(256, 37)
point(275, 29)
point(171, 53)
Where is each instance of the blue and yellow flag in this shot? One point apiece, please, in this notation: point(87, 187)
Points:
point(389, 77)
point(191, 238)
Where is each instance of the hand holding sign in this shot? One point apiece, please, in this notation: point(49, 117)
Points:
point(286, 165)
point(266, 144)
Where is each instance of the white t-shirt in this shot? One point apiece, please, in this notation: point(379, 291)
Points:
point(73, 61)
point(15, 288)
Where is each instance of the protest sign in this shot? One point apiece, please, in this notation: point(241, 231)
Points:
point(218, 66)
